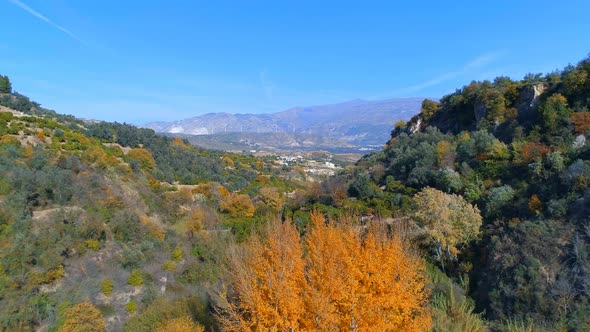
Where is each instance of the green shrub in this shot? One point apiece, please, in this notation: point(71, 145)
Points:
point(169, 265)
point(131, 307)
point(135, 278)
point(452, 310)
point(177, 254)
point(93, 244)
point(106, 287)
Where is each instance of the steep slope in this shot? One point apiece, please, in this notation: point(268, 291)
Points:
point(113, 218)
point(518, 151)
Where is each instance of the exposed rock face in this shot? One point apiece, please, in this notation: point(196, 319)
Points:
point(529, 99)
point(457, 119)
point(163, 282)
point(415, 126)
point(579, 142)
point(480, 111)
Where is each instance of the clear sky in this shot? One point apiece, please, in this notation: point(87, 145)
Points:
point(140, 61)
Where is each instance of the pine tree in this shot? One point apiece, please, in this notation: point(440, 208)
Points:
point(5, 85)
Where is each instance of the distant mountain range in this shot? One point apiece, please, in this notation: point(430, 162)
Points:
point(356, 125)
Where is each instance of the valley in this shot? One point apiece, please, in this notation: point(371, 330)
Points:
point(356, 126)
point(199, 166)
point(137, 230)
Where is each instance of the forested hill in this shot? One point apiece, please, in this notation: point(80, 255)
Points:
point(102, 221)
point(553, 107)
point(475, 216)
point(518, 150)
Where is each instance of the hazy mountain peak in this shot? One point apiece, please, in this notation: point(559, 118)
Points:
point(355, 123)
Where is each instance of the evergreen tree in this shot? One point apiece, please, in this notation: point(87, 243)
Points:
point(5, 86)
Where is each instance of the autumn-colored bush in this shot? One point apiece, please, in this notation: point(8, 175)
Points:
point(9, 140)
point(177, 254)
point(154, 230)
point(581, 121)
point(223, 192)
point(83, 317)
point(535, 204)
point(203, 189)
point(95, 154)
point(271, 198)
point(154, 184)
point(143, 157)
point(56, 273)
point(526, 152)
point(445, 153)
point(429, 108)
point(168, 265)
point(111, 200)
point(400, 124)
point(178, 142)
point(237, 205)
point(195, 223)
point(93, 244)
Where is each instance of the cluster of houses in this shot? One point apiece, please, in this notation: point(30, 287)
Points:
point(310, 166)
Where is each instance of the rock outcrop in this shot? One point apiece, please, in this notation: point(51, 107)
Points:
point(480, 111)
point(529, 99)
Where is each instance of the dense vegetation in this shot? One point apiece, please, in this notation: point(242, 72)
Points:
point(517, 152)
point(105, 217)
point(474, 217)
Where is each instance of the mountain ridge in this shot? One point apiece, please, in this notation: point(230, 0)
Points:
point(358, 123)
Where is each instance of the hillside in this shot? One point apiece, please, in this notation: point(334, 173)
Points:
point(109, 227)
point(356, 125)
point(517, 151)
point(111, 214)
point(473, 217)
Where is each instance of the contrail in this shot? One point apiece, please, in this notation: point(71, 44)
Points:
point(476, 63)
point(46, 20)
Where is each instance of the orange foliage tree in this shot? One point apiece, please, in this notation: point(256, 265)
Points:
point(196, 222)
point(271, 198)
point(237, 205)
point(83, 317)
point(362, 284)
point(337, 280)
point(269, 283)
point(144, 157)
point(526, 152)
point(178, 142)
point(535, 204)
point(581, 121)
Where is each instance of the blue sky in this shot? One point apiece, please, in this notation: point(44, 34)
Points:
point(140, 61)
